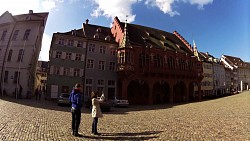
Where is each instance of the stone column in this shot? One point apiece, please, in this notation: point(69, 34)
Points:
point(199, 91)
point(151, 96)
point(171, 94)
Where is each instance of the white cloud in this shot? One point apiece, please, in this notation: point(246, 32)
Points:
point(163, 5)
point(16, 7)
point(200, 3)
point(119, 8)
point(44, 53)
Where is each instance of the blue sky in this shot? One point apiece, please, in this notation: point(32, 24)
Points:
point(217, 26)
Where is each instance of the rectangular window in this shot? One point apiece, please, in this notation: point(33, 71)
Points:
point(100, 82)
point(100, 89)
point(68, 56)
point(61, 41)
point(71, 43)
point(112, 66)
point(26, 34)
point(3, 35)
point(121, 58)
point(66, 71)
point(91, 47)
point(80, 44)
point(16, 77)
point(78, 57)
point(102, 49)
point(77, 72)
point(101, 65)
point(111, 82)
point(90, 64)
point(56, 70)
point(113, 51)
point(88, 90)
point(15, 35)
point(20, 55)
point(58, 55)
point(6, 75)
point(10, 55)
point(89, 81)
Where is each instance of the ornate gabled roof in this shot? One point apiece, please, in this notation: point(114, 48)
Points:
point(155, 38)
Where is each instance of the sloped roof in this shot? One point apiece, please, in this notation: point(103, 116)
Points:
point(234, 60)
point(26, 17)
point(32, 16)
point(92, 31)
point(147, 36)
point(76, 32)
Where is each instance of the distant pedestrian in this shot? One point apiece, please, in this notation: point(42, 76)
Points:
point(39, 94)
point(76, 100)
point(96, 110)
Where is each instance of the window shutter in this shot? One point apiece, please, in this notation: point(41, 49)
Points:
point(54, 54)
point(82, 57)
point(63, 55)
point(73, 56)
point(51, 69)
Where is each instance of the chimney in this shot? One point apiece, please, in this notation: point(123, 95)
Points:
point(30, 11)
point(87, 21)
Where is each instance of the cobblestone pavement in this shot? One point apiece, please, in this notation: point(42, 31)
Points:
point(226, 118)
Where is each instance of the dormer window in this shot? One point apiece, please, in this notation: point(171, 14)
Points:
point(96, 36)
point(107, 38)
point(99, 30)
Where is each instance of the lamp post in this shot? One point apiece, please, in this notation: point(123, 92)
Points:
point(83, 80)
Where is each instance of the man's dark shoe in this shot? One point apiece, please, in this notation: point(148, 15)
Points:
point(97, 134)
point(78, 135)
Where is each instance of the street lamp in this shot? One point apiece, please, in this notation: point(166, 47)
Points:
point(83, 80)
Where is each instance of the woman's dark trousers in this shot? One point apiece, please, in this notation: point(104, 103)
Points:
point(94, 125)
point(76, 119)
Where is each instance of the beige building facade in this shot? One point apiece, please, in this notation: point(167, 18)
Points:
point(20, 45)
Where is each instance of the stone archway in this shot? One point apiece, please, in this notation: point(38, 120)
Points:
point(161, 93)
point(138, 92)
point(180, 92)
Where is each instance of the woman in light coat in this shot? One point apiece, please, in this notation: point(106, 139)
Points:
point(96, 110)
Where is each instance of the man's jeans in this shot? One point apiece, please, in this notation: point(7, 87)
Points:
point(76, 119)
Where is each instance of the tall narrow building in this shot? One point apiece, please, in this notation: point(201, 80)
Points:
point(67, 62)
point(20, 45)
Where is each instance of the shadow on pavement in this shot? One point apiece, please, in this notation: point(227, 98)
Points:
point(52, 105)
point(147, 135)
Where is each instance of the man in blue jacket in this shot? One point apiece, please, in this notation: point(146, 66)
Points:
point(76, 100)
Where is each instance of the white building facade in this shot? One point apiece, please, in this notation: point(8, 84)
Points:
point(20, 45)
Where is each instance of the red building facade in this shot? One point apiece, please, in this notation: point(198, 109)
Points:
point(155, 66)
